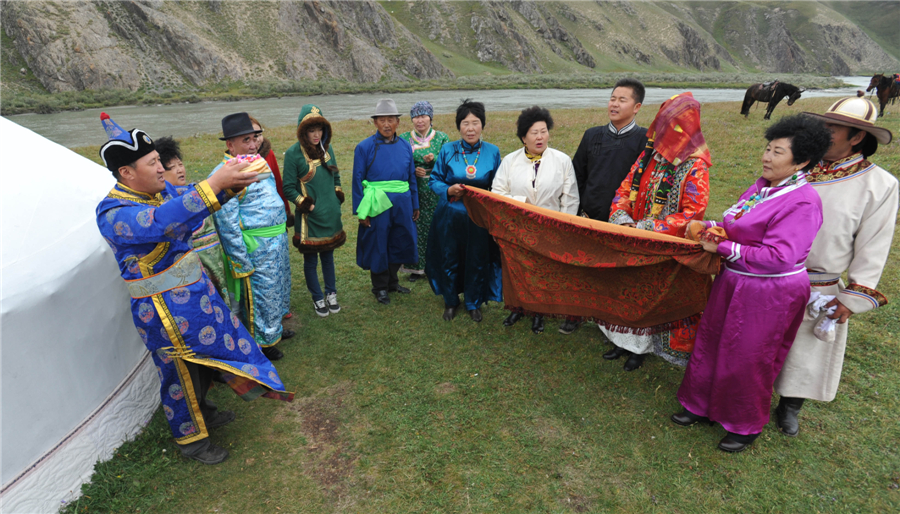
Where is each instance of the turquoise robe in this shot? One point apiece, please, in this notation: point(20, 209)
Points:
point(461, 256)
point(265, 274)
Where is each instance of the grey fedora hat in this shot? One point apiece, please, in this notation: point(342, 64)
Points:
point(386, 107)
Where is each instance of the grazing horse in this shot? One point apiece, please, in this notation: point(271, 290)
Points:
point(772, 94)
point(885, 89)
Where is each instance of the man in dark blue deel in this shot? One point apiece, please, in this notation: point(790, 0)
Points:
point(386, 200)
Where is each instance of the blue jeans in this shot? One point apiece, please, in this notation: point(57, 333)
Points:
point(310, 263)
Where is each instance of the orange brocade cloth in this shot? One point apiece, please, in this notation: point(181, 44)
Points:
point(629, 280)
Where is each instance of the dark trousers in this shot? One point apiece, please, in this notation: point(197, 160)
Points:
point(310, 263)
point(202, 378)
point(386, 280)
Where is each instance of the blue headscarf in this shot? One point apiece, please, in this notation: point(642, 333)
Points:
point(422, 108)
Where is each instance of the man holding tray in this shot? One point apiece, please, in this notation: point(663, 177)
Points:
point(253, 233)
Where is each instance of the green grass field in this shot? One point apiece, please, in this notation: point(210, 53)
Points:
point(397, 411)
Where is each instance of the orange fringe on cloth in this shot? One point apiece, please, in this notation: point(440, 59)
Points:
point(630, 280)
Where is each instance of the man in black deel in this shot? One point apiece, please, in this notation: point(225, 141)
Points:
point(607, 152)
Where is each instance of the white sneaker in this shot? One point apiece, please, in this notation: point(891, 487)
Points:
point(331, 301)
point(321, 310)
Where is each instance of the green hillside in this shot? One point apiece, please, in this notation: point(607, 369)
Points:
point(880, 20)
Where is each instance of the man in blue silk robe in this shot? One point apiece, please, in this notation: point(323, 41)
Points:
point(188, 328)
point(253, 233)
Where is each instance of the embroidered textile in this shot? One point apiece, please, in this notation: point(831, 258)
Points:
point(843, 168)
point(562, 265)
point(687, 200)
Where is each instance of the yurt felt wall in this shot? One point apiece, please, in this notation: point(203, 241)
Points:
point(76, 379)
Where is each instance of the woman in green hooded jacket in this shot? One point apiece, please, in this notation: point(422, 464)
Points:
point(313, 183)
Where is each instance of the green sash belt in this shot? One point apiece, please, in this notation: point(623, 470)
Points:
point(250, 235)
point(375, 199)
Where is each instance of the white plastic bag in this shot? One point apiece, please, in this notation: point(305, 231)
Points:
point(815, 309)
point(825, 328)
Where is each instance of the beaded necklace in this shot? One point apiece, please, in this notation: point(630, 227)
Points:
point(664, 174)
point(470, 168)
point(753, 200)
point(785, 186)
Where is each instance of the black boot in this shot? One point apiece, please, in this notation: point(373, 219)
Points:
point(786, 415)
point(537, 324)
point(635, 361)
point(736, 443)
point(512, 319)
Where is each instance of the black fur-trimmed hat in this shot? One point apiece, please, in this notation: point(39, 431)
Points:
point(124, 147)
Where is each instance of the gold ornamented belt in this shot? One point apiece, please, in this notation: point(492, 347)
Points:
point(184, 272)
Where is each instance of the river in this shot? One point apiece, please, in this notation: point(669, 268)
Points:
point(82, 128)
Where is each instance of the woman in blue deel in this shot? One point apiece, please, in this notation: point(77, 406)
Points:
point(461, 257)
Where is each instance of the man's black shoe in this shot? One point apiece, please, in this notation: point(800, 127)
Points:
point(220, 419)
point(615, 353)
point(382, 296)
point(272, 353)
point(211, 455)
point(635, 361)
point(567, 327)
point(512, 319)
point(400, 289)
point(537, 324)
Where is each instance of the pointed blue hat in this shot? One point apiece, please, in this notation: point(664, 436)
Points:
point(124, 146)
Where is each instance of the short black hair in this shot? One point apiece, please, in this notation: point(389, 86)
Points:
point(810, 139)
point(468, 107)
point(168, 149)
point(529, 117)
point(868, 146)
point(637, 88)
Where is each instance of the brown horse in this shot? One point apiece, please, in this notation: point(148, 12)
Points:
point(885, 89)
point(773, 94)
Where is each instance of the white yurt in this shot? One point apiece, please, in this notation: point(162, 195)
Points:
point(76, 380)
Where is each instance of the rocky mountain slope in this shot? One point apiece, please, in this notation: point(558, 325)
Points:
point(159, 46)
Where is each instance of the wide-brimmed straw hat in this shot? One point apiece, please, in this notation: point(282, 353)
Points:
point(386, 107)
point(858, 113)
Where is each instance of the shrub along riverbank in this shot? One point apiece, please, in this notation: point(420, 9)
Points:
point(398, 411)
point(23, 101)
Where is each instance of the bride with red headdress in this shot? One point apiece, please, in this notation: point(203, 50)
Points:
point(667, 188)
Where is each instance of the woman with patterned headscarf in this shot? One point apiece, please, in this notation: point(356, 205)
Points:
point(667, 188)
point(426, 144)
